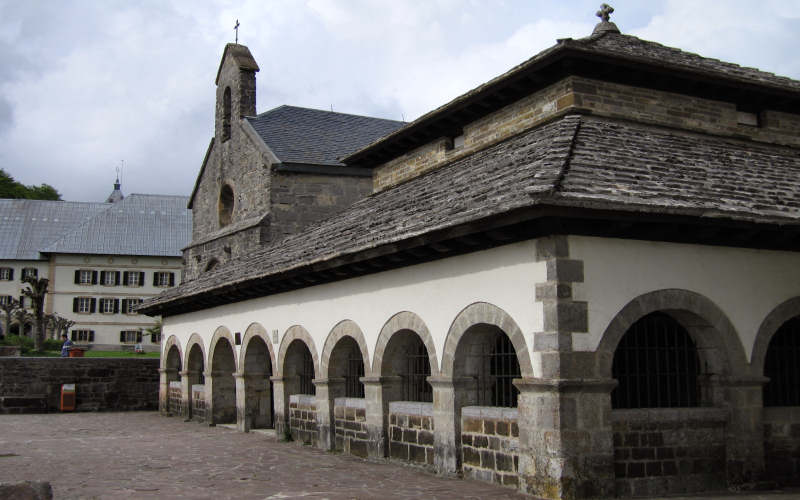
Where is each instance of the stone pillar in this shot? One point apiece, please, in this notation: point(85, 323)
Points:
point(327, 390)
point(163, 391)
point(744, 445)
point(244, 420)
point(376, 394)
point(209, 395)
point(186, 394)
point(281, 402)
point(448, 399)
point(565, 437)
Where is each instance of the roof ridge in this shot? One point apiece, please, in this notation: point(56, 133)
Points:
point(558, 184)
point(304, 108)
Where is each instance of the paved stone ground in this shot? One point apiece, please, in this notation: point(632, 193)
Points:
point(143, 455)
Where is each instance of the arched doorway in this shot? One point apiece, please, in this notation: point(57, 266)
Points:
point(259, 405)
point(346, 395)
point(298, 376)
point(174, 390)
point(223, 387)
point(195, 368)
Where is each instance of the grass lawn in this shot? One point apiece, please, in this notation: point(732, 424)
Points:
point(103, 354)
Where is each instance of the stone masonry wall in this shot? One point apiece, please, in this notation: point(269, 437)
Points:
point(490, 444)
point(669, 451)
point(175, 398)
point(301, 199)
point(350, 422)
point(411, 432)
point(782, 444)
point(303, 418)
point(199, 403)
point(596, 97)
point(101, 384)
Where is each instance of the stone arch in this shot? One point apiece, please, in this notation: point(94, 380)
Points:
point(484, 313)
point(404, 320)
point(718, 343)
point(345, 328)
point(171, 342)
point(774, 320)
point(194, 340)
point(256, 330)
point(296, 332)
point(220, 333)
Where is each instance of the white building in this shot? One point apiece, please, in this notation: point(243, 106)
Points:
point(102, 260)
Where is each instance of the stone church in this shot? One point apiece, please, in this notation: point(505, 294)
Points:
point(578, 279)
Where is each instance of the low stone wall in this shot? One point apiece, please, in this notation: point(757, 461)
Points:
point(411, 432)
point(350, 422)
point(175, 398)
point(490, 444)
point(669, 450)
point(10, 351)
point(199, 403)
point(101, 384)
point(782, 444)
point(303, 418)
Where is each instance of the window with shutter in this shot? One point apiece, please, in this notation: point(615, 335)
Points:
point(6, 274)
point(94, 277)
point(83, 277)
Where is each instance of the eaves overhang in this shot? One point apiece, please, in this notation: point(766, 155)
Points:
point(679, 225)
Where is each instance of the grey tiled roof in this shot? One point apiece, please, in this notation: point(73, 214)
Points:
point(26, 226)
point(644, 51)
point(638, 168)
point(141, 224)
point(314, 137)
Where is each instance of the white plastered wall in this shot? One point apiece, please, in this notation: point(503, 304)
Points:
point(745, 284)
point(436, 291)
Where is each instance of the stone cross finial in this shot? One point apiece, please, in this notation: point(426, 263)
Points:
point(236, 29)
point(604, 12)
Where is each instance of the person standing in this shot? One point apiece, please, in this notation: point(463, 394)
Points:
point(65, 346)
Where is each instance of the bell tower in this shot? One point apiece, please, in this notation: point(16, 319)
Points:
point(236, 89)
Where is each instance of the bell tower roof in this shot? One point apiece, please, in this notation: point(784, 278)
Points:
point(241, 57)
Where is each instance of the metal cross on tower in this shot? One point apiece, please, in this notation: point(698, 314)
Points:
point(604, 12)
point(236, 29)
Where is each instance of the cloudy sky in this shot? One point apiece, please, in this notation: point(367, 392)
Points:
point(87, 84)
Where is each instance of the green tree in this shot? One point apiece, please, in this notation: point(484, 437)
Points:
point(10, 188)
point(37, 291)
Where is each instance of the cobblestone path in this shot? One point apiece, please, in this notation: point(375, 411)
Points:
point(143, 455)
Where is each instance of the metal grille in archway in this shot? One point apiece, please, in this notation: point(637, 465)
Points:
point(656, 365)
point(355, 370)
point(499, 366)
point(307, 374)
point(782, 366)
point(415, 379)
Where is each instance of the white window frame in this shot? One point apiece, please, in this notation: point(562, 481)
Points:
point(130, 334)
point(84, 305)
point(131, 304)
point(110, 278)
point(82, 335)
point(30, 271)
point(84, 277)
point(162, 279)
point(133, 279)
point(107, 306)
point(5, 274)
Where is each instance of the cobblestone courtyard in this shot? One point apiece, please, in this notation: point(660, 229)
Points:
point(144, 455)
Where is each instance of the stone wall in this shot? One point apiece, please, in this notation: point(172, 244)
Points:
point(301, 199)
point(782, 444)
point(411, 432)
point(490, 444)
point(303, 418)
point(350, 422)
point(669, 450)
point(597, 97)
point(199, 403)
point(101, 384)
point(175, 398)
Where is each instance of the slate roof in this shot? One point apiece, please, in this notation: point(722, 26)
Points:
point(576, 161)
point(614, 49)
point(26, 226)
point(141, 224)
point(315, 137)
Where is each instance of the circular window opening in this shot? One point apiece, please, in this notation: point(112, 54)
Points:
point(225, 205)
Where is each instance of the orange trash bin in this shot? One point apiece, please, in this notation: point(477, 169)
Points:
point(67, 397)
point(76, 352)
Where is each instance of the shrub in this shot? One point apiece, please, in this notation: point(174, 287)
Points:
point(51, 345)
point(24, 342)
